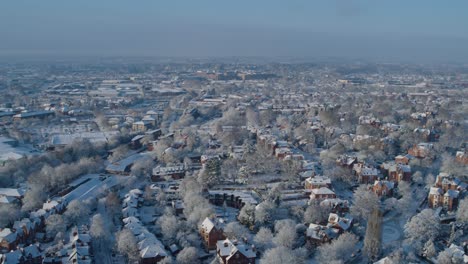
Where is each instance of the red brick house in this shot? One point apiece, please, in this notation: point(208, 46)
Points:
point(211, 231)
point(400, 159)
point(462, 157)
point(447, 200)
point(347, 161)
point(421, 150)
point(341, 223)
point(396, 172)
point(319, 234)
point(365, 174)
point(448, 182)
point(322, 194)
point(233, 252)
point(8, 239)
point(383, 188)
point(317, 182)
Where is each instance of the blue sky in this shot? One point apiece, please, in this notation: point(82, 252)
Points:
point(376, 29)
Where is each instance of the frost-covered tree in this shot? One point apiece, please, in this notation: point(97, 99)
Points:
point(338, 250)
point(247, 215)
point(447, 257)
point(429, 249)
point(234, 230)
point(210, 173)
point(280, 255)
point(143, 167)
point(407, 198)
point(315, 213)
point(263, 239)
point(187, 256)
point(365, 202)
point(422, 227)
point(166, 260)
point(127, 245)
point(264, 212)
point(8, 214)
point(76, 212)
point(99, 228)
point(169, 226)
point(285, 233)
point(34, 197)
point(462, 211)
point(54, 225)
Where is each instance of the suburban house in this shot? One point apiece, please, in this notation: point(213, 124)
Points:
point(236, 199)
point(174, 171)
point(447, 200)
point(402, 159)
point(365, 174)
point(383, 188)
point(317, 182)
point(319, 234)
point(234, 252)
point(211, 230)
point(462, 157)
point(322, 194)
point(396, 172)
point(347, 161)
point(341, 223)
point(421, 150)
point(8, 239)
point(336, 205)
point(11, 195)
point(449, 182)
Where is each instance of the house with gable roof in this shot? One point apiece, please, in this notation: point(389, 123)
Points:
point(211, 230)
point(234, 252)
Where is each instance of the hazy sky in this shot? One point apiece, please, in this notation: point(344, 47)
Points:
point(407, 30)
